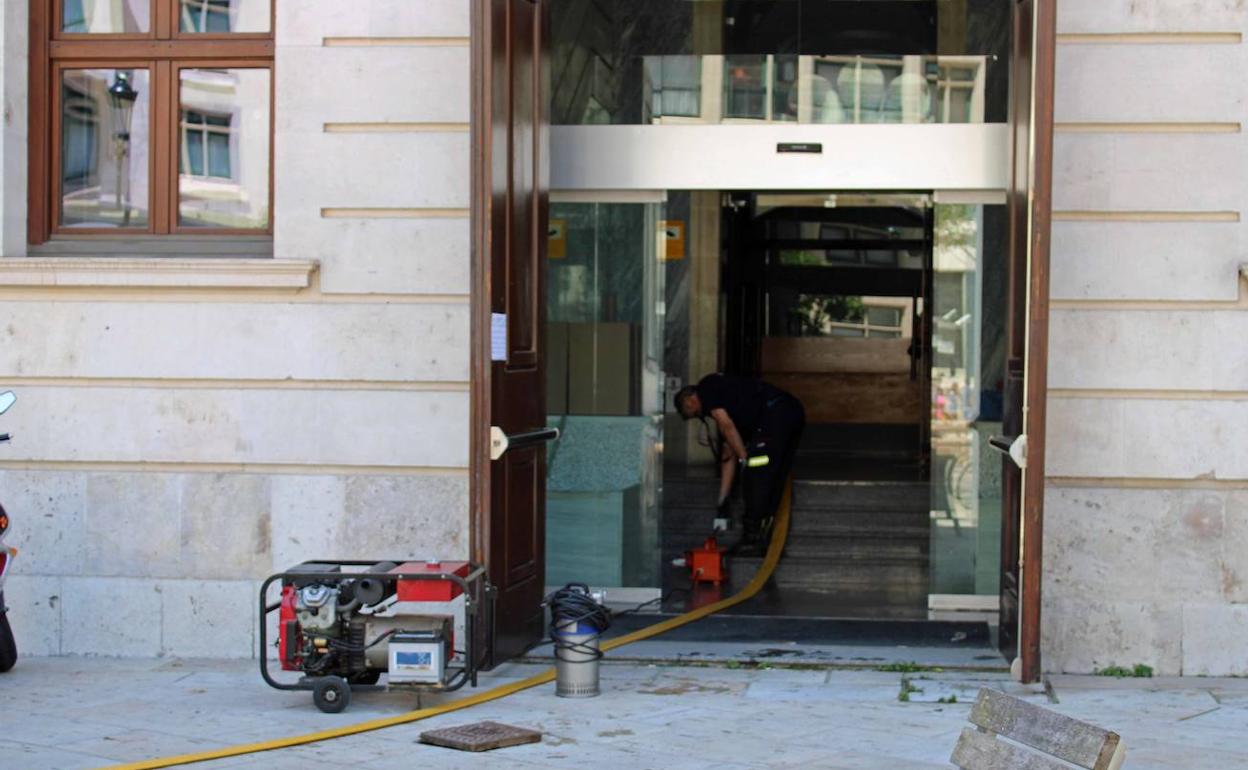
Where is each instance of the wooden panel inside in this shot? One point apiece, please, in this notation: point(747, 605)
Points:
point(836, 354)
point(892, 399)
point(847, 380)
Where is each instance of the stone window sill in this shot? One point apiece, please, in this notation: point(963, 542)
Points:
point(157, 272)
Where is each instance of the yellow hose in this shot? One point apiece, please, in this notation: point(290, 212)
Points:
point(781, 531)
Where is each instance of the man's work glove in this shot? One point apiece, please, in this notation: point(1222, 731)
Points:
point(723, 516)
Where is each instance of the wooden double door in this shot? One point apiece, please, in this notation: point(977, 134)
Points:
point(511, 154)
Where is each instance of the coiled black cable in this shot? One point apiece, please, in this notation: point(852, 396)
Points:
point(573, 606)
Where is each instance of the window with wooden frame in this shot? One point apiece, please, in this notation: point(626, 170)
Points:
point(151, 118)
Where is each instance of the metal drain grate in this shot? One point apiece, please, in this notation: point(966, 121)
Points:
point(480, 736)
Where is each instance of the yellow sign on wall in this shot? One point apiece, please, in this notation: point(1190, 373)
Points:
point(557, 232)
point(673, 239)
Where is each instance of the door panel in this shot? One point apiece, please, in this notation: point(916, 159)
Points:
point(509, 216)
point(1030, 202)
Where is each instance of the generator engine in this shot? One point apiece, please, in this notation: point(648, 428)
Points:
point(387, 619)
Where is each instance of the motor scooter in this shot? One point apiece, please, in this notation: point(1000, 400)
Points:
point(8, 646)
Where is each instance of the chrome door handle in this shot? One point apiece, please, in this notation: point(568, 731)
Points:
point(1015, 448)
point(500, 442)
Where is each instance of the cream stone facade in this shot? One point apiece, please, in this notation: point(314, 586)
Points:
point(1146, 512)
point(188, 425)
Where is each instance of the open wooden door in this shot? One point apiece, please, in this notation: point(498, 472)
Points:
point(510, 201)
point(1030, 206)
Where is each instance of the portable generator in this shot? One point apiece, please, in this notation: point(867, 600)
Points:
point(342, 624)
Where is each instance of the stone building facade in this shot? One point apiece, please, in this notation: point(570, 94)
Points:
point(188, 424)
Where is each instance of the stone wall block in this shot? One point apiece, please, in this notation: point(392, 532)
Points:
point(132, 525)
point(306, 515)
point(1148, 172)
point(386, 256)
point(1090, 538)
point(118, 617)
point(1143, 83)
point(209, 618)
point(387, 170)
point(1234, 562)
point(34, 604)
point(307, 22)
point(1148, 260)
point(1214, 640)
point(242, 425)
point(411, 517)
point(236, 340)
point(47, 510)
point(226, 526)
point(1152, 16)
point(1147, 438)
point(1143, 350)
point(1082, 635)
point(368, 84)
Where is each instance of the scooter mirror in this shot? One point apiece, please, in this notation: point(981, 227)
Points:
point(7, 399)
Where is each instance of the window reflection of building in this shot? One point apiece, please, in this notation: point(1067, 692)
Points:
point(103, 156)
point(773, 88)
point(223, 149)
point(81, 146)
point(207, 16)
point(206, 145)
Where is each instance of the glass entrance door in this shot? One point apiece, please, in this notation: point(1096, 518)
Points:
point(605, 321)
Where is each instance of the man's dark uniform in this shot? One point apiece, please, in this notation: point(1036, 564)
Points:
point(770, 422)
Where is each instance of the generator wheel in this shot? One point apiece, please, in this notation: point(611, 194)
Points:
point(331, 694)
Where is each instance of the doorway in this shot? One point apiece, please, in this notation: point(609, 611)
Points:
point(953, 87)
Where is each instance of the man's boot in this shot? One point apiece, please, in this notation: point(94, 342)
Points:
point(751, 544)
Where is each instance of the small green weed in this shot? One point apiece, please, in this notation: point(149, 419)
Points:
point(907, 688)
point(948, 699)
point(908, 667)
point(1138, 671)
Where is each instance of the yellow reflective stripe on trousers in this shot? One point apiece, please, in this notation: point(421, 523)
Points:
point(758, 462)
point(768, 566)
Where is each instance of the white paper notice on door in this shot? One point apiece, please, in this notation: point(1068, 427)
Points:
point(498, 336)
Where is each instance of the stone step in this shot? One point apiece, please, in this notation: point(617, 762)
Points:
point(825, 495)
point(904, 576)
point(690, 518)
point(817, 549)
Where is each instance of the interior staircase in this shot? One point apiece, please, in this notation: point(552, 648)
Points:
point(855, 548)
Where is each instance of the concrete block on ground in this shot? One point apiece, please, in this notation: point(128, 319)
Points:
point(208, 618)
point(113, 616)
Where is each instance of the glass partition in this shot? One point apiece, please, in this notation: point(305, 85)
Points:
point(604, 342)
point(968, 347)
